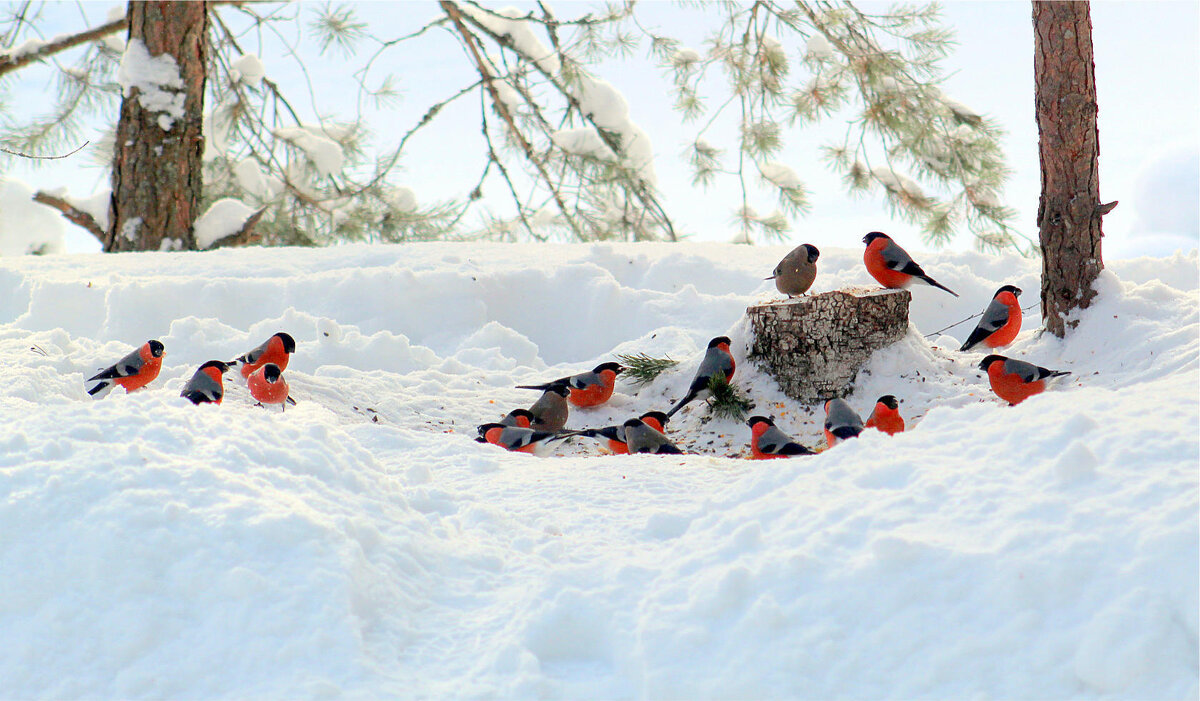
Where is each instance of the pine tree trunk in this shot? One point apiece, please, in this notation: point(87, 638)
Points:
point(157, 159)
point(1069, 211)
point(814, 345)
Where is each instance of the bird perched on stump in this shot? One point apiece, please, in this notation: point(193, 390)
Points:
point(717, 362)
point(207, 384)
point(1014, 380)
point(550, 410)
point(590, 388)
point(841, 422)
point(1000, 323)
point(767, 441)
point(641, 438)
point(795, 273)
point(132, 372)
point(886, 416)
point(892, 266)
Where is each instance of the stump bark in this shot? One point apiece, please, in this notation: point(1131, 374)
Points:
point(814, 346)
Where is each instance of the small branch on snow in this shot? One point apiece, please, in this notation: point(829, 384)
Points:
point(73, 214)
point(243, 236)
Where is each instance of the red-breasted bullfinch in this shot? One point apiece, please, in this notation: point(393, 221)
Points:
point(1013, 380)
point(614, 436)
point(550, 410)
point(892, 266)
point(517, 417)
point(886, 416)
point(207, 384)
point(590, 388)
point(268, 386)
point(767, 441)
point(841, 422)
point(1001, 321)
point(717, 361)
point(515, 438)
point(132, 372)
point(640, 438)
point(277, 350)
point(796, 272)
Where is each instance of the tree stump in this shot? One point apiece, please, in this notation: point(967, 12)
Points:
point(814, 345)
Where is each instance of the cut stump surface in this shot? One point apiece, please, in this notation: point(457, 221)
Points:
point(814, 345)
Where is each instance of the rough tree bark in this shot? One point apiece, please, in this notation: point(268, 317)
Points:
point(157, 170)
point(814, 346)
point(1069, 211)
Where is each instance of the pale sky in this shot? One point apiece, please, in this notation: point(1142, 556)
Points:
point(1148, 84)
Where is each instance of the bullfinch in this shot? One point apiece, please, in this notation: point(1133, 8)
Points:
point(796, 272)
point(276, 350)
point(717, 362)
point(1001, 321)
point(767, 441)
point(614, 436)
point(132, 372)
point(641, 438)
point(1013, 380)
point(892, 266)
point(268, 386)
point(590, 388)
point(886, 416)
point(841, 422)
point(550, 410)
point(207, 384)
point(515, 438)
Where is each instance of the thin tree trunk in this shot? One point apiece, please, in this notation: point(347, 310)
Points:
point(157, 164)
point(1069, 211)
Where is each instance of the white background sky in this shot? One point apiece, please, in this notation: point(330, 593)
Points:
point(1148, 82)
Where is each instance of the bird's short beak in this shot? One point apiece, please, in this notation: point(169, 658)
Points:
point(769, 278)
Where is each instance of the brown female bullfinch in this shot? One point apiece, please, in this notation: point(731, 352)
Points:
point(796, 272)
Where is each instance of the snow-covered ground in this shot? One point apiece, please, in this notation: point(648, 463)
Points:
point(362, 544)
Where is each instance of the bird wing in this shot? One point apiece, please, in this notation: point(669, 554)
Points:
point(125, 367)
point(252, 357)
point(1028, 372)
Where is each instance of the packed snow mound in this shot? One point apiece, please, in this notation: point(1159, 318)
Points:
point(362, 543)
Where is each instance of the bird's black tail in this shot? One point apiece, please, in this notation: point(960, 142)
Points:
point(938, 285)
point(541, 387)
point(679, 405)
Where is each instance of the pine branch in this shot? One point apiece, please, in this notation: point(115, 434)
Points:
point(727, 402)
point(9, 63)
point(642, 369)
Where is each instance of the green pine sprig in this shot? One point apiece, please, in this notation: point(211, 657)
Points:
point(642, 369)
point(727, 402)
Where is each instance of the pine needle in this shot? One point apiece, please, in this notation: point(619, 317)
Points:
point(727, 402)
point(642, 369)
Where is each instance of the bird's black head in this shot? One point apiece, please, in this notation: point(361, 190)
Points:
point(271, 372)
point(759, 420)
point(986, 362)
point(156, 348)
point(484, 428)
point(1009, 288)
point(875, 235)
point(289, 343)
point(562, 389)
point(718, 341)
point(888, 401)
point(220, 366)
point(615, 367)
point(661, 417)
point(633, 423)
point(813, 253)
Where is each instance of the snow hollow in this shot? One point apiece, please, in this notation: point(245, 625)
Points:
point(362, 544)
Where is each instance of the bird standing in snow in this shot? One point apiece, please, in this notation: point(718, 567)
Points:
point(1001, 321)
point(641, 438)
point(767, 441)
point(841, 422)
point(614, 436)
point(1013, 380)
point(207, 383)
point(550, 410)
point(132, 372)
point(717, 362)
point(590, 388)
point(516, 438)
point(276, 350)
point(886, 416)
point(268, 386)
point(796, 272)
point(892, 266)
